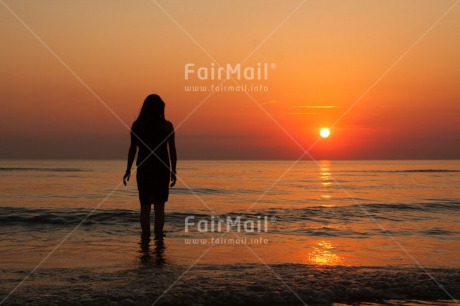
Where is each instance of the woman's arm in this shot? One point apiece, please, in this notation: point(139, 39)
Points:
point(172, 155)
point(131, 155)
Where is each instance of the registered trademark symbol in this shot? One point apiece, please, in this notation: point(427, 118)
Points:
point(273, 218)
point(272, 66)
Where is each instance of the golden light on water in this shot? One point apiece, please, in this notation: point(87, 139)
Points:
point(325, 132)
point(326, 178)
point(322, 254)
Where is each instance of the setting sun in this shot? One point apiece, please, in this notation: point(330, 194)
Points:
point(325, 132)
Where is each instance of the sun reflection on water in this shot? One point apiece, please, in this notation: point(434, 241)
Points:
point(325, 176)
point(322, 254)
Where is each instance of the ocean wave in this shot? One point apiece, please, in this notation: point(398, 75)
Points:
point(10, 216)
point(242, 284)
point(347, 213)
point(427, 170)
point(35, 169)
point(400, 171)
point(211, 191)
point(440, 207)
point(62, 217)
point(309, 221)
point(200, 191)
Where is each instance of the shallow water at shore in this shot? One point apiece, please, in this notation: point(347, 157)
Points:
point(257, 284)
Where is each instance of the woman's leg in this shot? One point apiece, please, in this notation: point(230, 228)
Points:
point(145, 220)
point(159, 218)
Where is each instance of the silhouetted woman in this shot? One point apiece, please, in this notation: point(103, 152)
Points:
point(156, 165)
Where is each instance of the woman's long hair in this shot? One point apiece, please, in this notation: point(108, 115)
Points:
point(152, 111)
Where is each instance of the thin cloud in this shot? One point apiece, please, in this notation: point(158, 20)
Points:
point(311, 107)
point(301, 113)
point(316, 106)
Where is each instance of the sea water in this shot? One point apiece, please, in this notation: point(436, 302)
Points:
point(300, 232)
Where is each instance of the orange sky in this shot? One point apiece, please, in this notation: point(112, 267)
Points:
point(320, 53)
